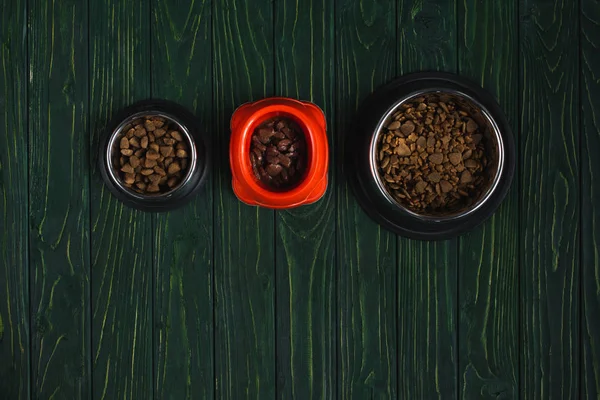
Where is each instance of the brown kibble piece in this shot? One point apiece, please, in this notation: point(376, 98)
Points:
point(173, 168)
point(394, 125)
point(153, 188)
point(134, 161)
point(129, 178)
point(152, 155)
point(149, 163)
point(160, 171)
point(124, 143)
point(455, 158)
point(466, 176)
point(172, 182)
point(127, 168)
point(181, 154)
point(471, 126)
point(166, 151)
point(126, 152)
point(402, 149)
point(140, 131)
point(408, 127)
point(420, 186)
point(134, 142)
point(445, 186)
point(176, 135)
point(470, 163)
point(274, 169)
point(147, 171)
point(436, 158)
point(434, 177)
point(158, 133)
point(154, 178)
point(149, 125)
point(141, 185)
point(144, 142)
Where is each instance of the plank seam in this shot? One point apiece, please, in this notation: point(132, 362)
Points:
point(580, 382)
point(213, 183)
point(519, 182)
point(153, 224)
point(91, 166)
point(28, 180)
point(275, 216)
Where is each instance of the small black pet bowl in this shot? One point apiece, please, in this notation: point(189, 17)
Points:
point(198, 165)
point(365, 179)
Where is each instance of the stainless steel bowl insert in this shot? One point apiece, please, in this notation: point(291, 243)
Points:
point(112, 155)
point(492, 139)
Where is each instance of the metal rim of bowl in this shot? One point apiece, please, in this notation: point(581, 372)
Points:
point(111, 145)
point(496, 135)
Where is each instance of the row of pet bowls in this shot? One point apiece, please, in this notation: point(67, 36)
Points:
point(279, 156)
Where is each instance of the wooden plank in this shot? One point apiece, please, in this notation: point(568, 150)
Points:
point(244, 236)
point(427, 271)
point(488, 256)
point(305, 239)
point(590, 211)
point(183, 337)
point(549, 200)
point(59, 199)
point(121, 237)
point(14, 258)
point(366, 254)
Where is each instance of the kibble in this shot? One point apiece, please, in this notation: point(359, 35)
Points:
point(153, 155)
point(277, 153)
point(431, 157)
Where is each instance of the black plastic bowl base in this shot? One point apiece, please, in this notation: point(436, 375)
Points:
point(179, 196)
point(370, 197)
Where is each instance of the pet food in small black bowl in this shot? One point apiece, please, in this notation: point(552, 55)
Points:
point(153, 156)
point(432, 156)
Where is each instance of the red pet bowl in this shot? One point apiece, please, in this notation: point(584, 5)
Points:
point(311, 120)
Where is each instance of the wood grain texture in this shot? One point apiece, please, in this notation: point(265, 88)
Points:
point(590, 193)
point(488, 256)
point(14, 257)
point(244, 236)
point(183, 336)
point(366, 254)
point(58, 199)
point(427, 271)
point(549, 199)
point(305, 240)
point(121, 237)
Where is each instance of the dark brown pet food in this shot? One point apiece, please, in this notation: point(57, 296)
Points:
point(278, 153)
point(153, 155)
point(431, 157)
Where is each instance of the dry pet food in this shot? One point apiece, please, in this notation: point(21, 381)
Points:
point(431, 157)
point(278, 153)
point(153, 155)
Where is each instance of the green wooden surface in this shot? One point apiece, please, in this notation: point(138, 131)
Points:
point(121, 238)
point(59, 210)
point(222, 300)
point(427, 272)
point(183, 245)
point(549, 200)
point(305, 267)
point(590, 221)
point(244, 236)
point(366, 254)
point(488, 257)
point(14, 272)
